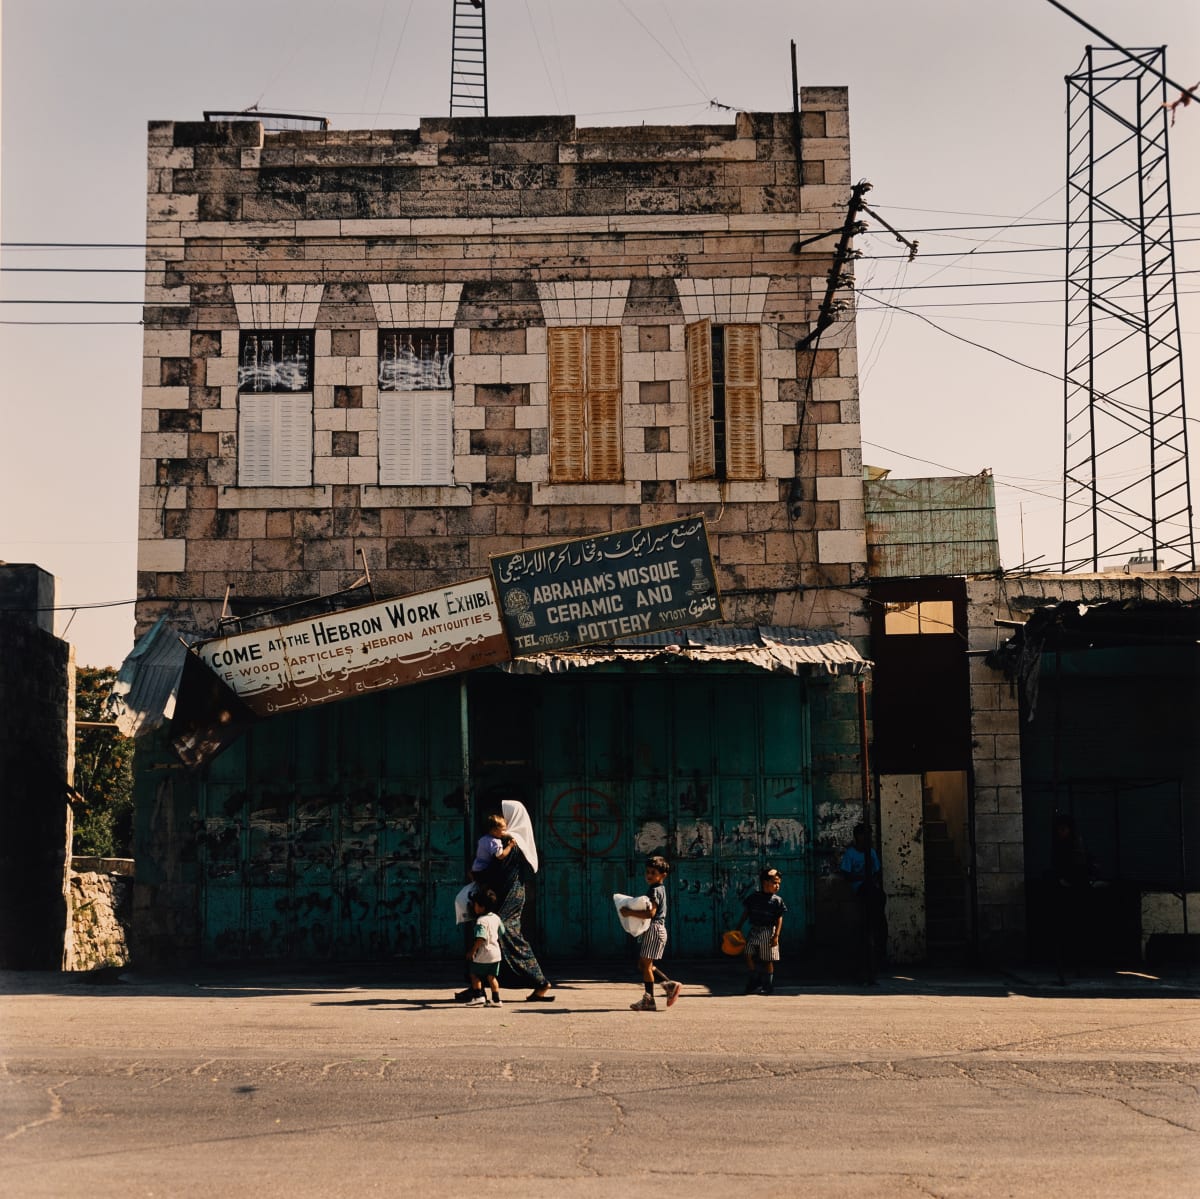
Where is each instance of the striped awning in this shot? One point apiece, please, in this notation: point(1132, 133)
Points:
point(769, 648)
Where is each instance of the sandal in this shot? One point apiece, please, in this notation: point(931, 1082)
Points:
point(534, 997)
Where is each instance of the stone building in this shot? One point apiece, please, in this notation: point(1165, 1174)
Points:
point(402, 352)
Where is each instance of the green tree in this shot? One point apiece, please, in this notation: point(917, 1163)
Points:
point(103, 772)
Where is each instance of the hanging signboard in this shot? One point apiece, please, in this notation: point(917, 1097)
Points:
point(596, 589)
point(359, 650)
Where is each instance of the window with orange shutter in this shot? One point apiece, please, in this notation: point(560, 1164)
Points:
point(585, 404)
point(724, 400)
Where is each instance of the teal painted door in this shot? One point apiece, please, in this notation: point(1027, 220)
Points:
point(337, 833)
point(710, 770)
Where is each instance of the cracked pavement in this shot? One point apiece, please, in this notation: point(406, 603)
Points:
point(332, 1085)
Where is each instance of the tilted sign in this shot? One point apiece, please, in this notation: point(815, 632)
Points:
point(596, 589)
point(360, 650)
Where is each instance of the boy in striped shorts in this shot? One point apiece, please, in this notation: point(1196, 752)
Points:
point(654, 940)
point(765, 912)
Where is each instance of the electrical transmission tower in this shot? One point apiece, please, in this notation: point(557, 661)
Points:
point(1126, 486)
point(468, 60)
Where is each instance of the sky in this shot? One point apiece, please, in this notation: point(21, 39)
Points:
point(957, 118)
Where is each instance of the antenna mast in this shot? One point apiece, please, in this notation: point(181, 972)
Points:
point(1126, 483)
point(468, 60)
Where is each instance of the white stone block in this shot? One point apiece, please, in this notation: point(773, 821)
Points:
point(322, 443)
point(779, 464)
point(673, 466)
point(167, 343)
point(477, 368)
point(838, 437)
point(698, 491)
point(361, 418)
point(331, 372)
point(766, 491)
point(834, 545)
point(218, 420)
point(473, 418)
point(174, 398)
point(470, 468)
point(532, 416)
point(779, 364)
point(533, 469)
point(839, 489)
point(165, 445)
point(220, 372)
point(640, 465)
point(330, 418)
point(669, 364)
point(523, 368)
point(163, 557)
point(327, 471)
point(638, 368)
point(361, 371)
point(364, 470)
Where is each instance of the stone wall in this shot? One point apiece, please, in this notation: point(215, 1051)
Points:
point(99, 912)
point(37, 762)
point(497, 228)
point(996, 730)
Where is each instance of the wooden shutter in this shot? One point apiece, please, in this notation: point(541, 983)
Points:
point(743, 403)
point(274, 441)
point(565, 349)
point(698, 346)
point(604, 458)
point(416, 439)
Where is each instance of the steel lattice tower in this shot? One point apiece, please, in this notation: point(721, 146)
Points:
point(1126, 485)
point(468, 60)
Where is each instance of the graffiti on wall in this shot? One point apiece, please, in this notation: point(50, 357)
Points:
point(585, 821)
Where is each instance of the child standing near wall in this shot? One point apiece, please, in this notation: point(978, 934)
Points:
point(765, 912)
point(653, 941)
point(484, 954)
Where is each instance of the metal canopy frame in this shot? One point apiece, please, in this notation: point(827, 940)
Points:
point(1126, 482)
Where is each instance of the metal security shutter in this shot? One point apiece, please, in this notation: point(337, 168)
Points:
point(416, 441)
point(604, 459)
point(275, 441)
point(743, 403)
point(698, 345)
point(567, 409)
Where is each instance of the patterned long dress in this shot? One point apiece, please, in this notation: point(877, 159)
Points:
point(516, 952)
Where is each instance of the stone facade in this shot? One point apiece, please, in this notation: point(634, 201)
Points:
point(499, 236)
point(498, 230)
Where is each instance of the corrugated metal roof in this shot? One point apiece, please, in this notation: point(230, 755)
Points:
point(143, 695)
point(766, 647)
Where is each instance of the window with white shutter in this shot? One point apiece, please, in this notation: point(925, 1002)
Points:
point(416, 407)
point(585, 404)
point(724, 400)
point(275, 441)
point(275, 408)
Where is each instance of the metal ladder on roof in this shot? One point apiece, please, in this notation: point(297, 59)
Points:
point(468, 60)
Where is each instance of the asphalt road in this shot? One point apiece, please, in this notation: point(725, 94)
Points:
point(269, 1086)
